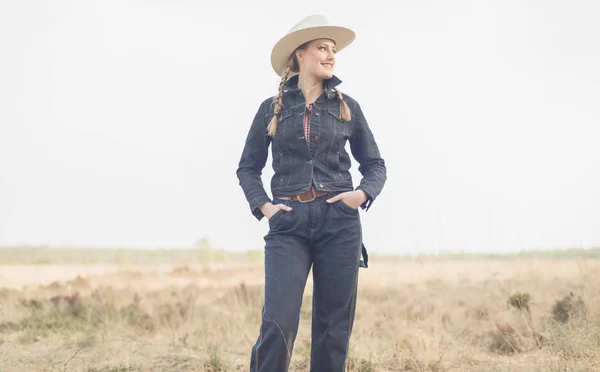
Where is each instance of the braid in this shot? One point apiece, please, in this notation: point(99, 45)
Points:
point(344, 109)
point(272, 127)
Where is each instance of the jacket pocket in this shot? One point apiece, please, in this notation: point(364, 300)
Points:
point(339, 126)
point(283, 120)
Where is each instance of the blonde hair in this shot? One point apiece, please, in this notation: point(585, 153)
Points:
point(272, 127)
point(345, 113)
point(294, 66)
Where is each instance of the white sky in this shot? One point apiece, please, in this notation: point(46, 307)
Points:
point(122, 122)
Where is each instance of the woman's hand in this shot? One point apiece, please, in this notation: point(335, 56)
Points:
point(353, 199)
point(269, 209)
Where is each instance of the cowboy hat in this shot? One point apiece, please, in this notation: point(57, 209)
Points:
point(310, 28)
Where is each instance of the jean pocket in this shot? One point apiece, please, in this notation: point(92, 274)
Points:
point(346, 208)
point(280, 212)
point(276, 215)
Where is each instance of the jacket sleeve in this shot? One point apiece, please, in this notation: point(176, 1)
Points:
point(253, 159)
point(371, 165)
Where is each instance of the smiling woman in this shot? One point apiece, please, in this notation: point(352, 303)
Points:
point(313, 217)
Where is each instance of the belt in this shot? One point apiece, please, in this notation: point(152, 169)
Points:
point(308, 196)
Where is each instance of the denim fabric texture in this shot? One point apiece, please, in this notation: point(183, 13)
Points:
point(324, 237)
point(322, 160)
point(328, 238)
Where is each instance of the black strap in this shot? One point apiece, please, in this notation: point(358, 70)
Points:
point(365, 261)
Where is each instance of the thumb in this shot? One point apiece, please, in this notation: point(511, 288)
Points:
point(286, 208)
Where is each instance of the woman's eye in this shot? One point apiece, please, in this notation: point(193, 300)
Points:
point(324, 48)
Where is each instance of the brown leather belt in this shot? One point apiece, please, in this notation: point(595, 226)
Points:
point(305, 197)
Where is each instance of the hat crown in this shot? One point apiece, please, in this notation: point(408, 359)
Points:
point(314, 20)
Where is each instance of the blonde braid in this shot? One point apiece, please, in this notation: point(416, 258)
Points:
point(272, 127)
point(344, 109)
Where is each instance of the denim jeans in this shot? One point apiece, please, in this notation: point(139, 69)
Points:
point(327, 237)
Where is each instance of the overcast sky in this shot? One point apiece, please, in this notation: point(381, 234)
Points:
point(122, 122)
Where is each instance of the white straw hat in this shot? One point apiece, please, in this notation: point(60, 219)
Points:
point(310, 28)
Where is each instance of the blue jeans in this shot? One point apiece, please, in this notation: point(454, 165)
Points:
point(327, 237)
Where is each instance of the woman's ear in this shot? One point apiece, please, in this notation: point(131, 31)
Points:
point(299, 55)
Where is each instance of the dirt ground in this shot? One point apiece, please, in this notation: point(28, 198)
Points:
point(462, 315)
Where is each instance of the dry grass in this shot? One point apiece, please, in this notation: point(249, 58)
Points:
point(429, 316)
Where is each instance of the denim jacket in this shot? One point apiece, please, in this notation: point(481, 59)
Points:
point(322, 161)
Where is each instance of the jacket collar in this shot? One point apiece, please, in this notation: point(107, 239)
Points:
point(292, 84)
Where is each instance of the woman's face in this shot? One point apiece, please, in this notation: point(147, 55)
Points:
point(318, 59)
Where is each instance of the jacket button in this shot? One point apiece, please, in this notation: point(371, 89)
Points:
point(320, 185)
point(317, 114)
point(316, 138)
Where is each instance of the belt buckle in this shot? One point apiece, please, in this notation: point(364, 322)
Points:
point(314, 196)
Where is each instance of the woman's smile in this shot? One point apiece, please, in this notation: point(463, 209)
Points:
point(327, 65)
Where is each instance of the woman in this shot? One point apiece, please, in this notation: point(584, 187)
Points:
point(313, 218)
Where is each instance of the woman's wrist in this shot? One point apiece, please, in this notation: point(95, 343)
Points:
point(263, 206)
point(365, 196)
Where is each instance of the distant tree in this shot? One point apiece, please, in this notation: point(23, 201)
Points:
point(204, 249)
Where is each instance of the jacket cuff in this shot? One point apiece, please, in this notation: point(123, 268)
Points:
point(254, 206)
point(370, 198)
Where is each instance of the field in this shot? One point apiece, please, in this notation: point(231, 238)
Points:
point(122, 312)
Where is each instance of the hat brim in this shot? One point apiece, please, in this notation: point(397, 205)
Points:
point(281, 52)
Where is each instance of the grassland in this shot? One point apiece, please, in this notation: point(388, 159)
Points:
point(64, 309)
